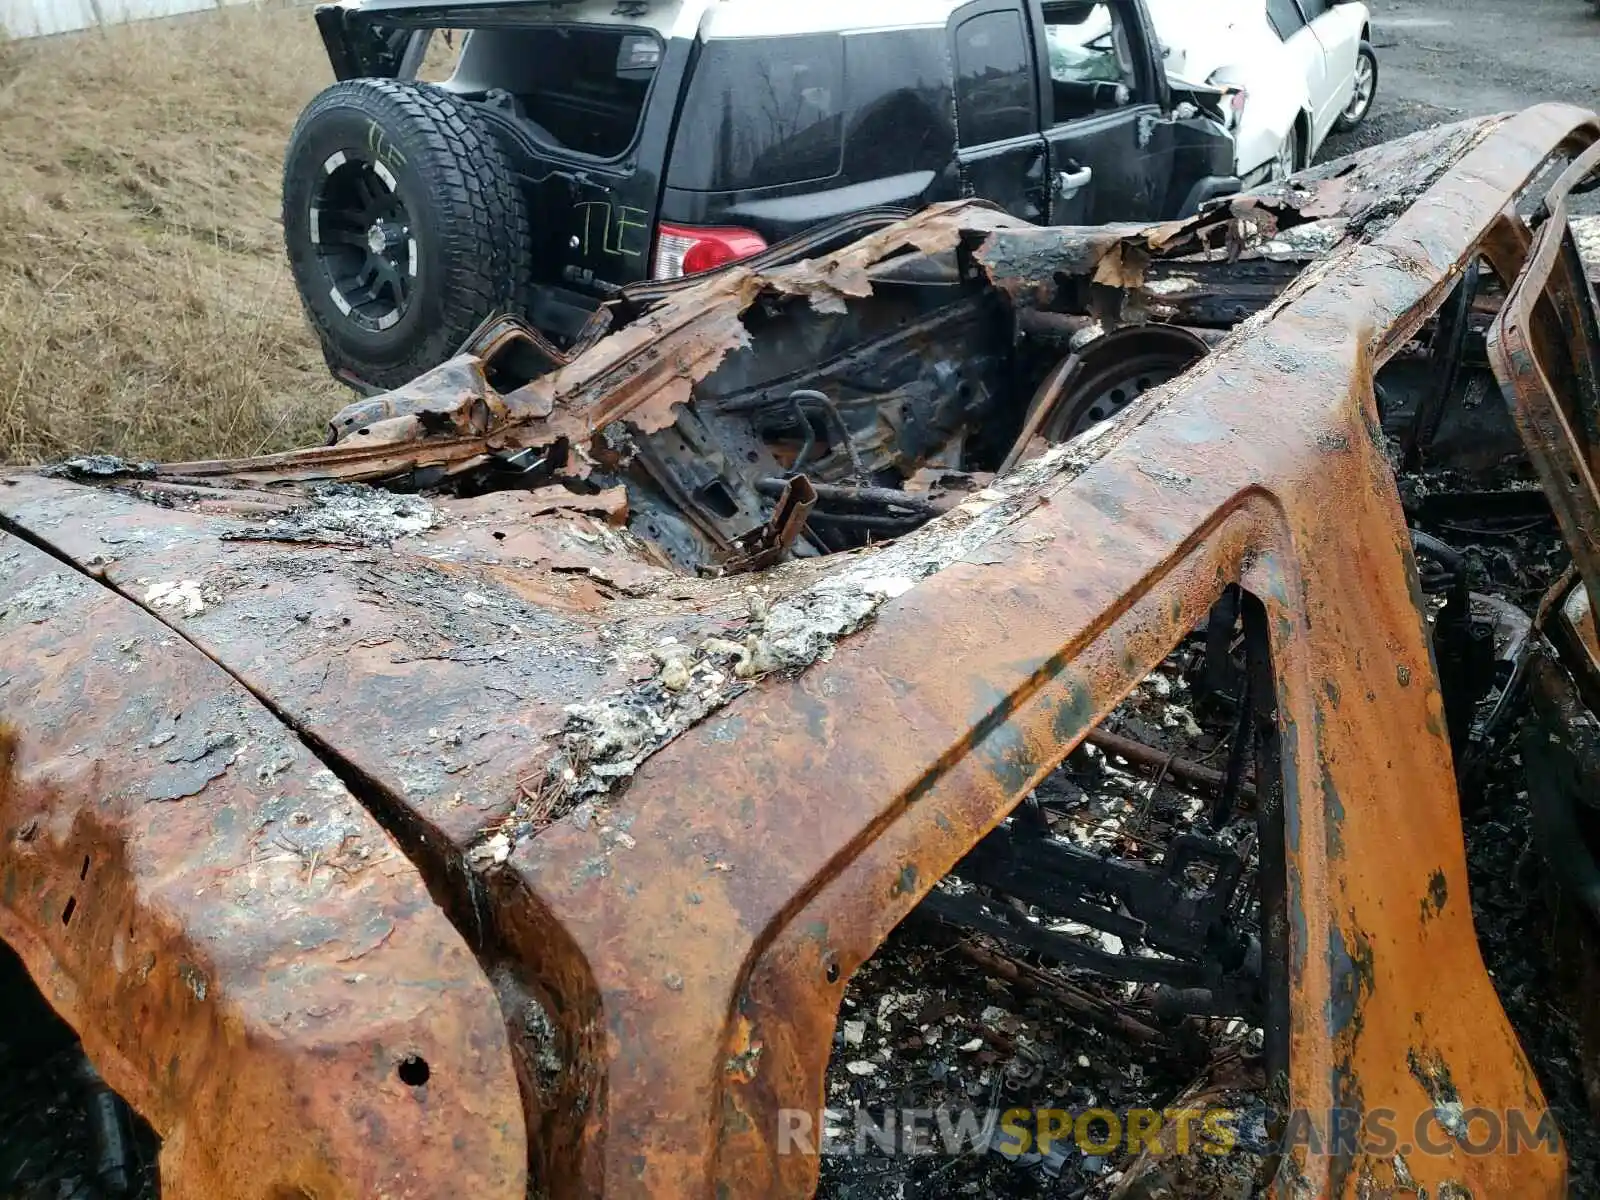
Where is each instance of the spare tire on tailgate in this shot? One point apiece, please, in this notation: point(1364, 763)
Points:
point(405, 227)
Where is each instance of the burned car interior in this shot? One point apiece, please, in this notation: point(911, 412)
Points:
point(556, 743)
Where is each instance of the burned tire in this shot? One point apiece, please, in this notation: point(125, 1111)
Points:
point(404, 226)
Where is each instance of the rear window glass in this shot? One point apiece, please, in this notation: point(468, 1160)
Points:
point(761, 112)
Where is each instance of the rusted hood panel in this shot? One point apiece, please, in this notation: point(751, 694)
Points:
point(434, 646)
point(248, 956)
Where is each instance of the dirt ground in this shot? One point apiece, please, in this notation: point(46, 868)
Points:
point(1479, 56)
point(145, 308)
point(1441, 60)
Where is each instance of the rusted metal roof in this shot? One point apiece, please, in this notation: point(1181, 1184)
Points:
point(662, 811)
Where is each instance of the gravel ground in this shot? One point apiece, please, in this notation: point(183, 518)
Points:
point(1442, 60)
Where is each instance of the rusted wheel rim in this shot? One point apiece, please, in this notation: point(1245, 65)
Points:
point(1117, 370)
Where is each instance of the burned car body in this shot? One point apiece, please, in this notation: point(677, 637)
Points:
point(519, 823)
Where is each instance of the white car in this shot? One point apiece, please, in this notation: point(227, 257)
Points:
point(1304, 68)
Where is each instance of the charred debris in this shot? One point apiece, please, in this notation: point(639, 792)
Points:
point(815, 409)
point(844, 389)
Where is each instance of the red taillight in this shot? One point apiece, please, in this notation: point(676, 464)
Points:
point(688, 250)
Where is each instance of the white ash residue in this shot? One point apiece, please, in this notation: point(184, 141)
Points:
point(1313, 237)
point(805, 628)
point(348, 514)
point(182, 595)
point(606, 740)
point(42, 599)
point(1586, 232)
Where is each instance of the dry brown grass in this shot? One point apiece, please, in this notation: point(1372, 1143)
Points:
point(145, 306)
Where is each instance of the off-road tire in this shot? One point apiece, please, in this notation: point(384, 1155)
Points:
point(465, 211)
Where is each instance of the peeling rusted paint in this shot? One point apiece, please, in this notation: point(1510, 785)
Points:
point(1438, 894)
point(247, 955)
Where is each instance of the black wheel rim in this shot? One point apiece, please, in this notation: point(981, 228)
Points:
point(364, 242)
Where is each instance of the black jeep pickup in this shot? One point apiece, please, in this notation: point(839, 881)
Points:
point(579, 146)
